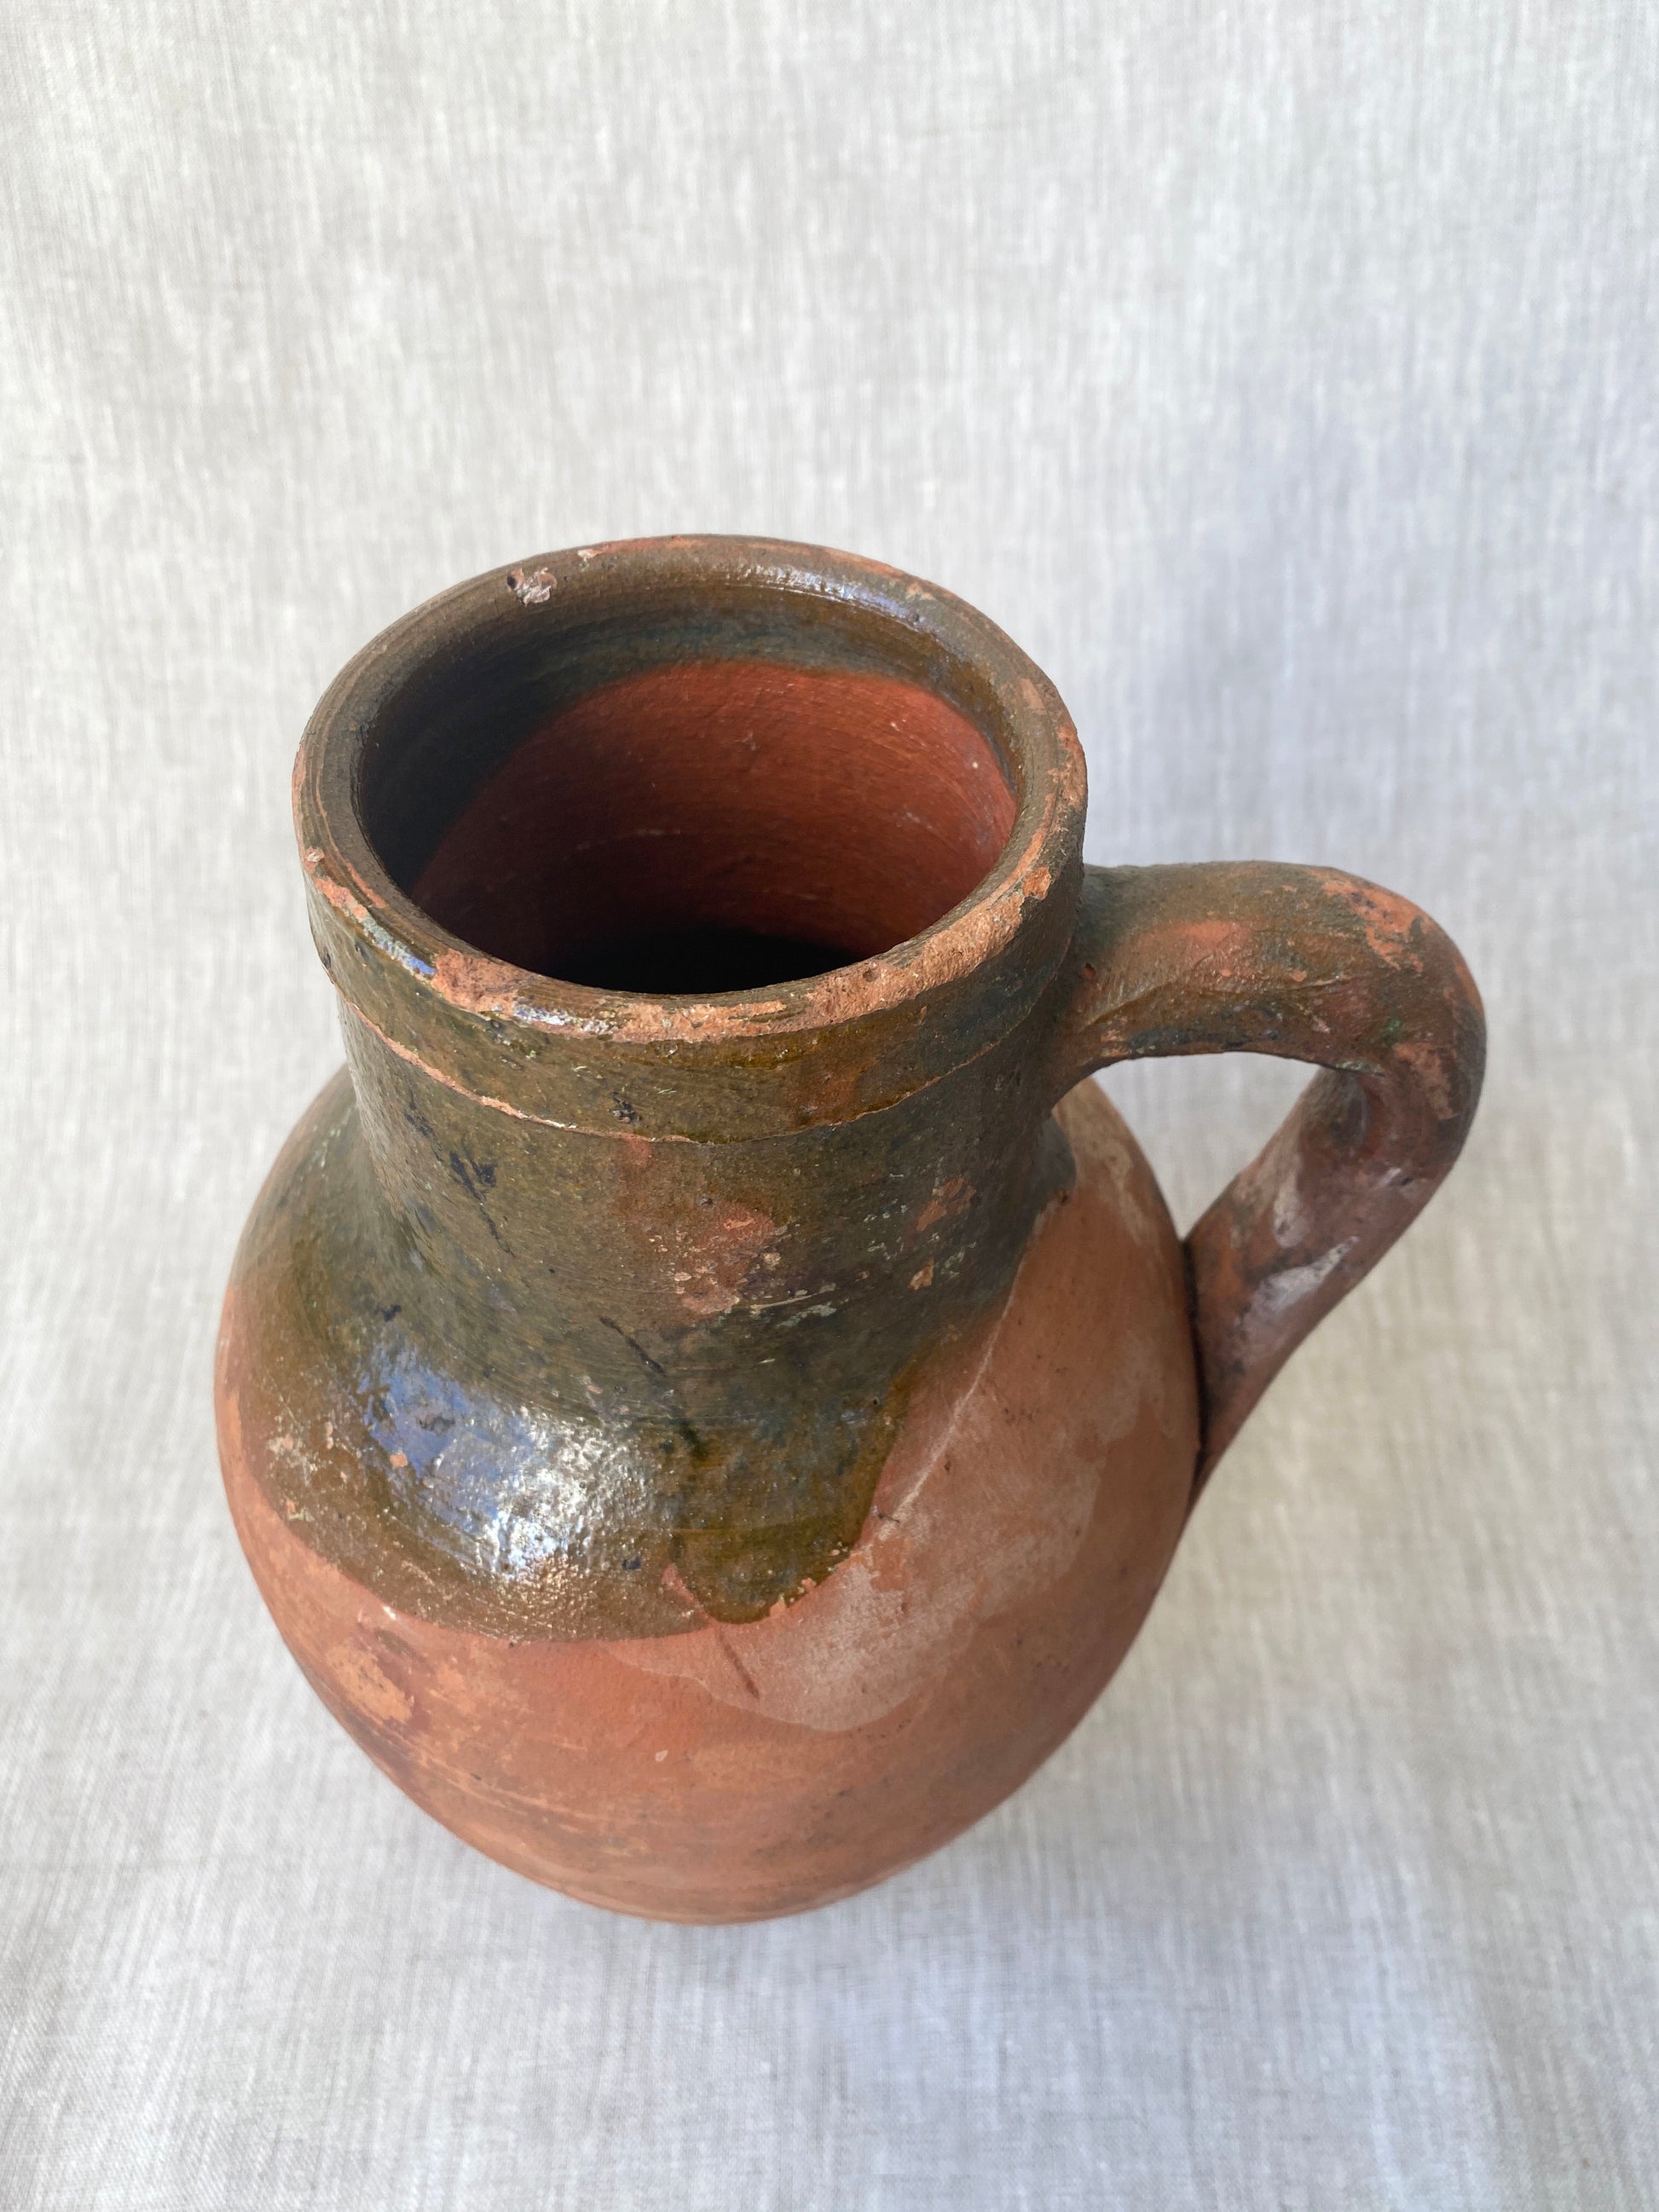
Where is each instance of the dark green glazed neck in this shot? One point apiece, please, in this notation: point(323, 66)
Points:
point(706, 1240)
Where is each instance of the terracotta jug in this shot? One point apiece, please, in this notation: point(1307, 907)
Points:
point(710, 1392)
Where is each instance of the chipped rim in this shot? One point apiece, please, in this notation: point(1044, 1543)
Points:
point(1030, 725)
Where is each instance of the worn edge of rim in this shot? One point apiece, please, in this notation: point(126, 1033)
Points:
point(345, 870)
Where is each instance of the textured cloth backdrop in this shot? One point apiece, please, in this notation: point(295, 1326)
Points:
point(1282, 378)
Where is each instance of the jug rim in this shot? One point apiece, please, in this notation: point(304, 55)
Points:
point(953, 650)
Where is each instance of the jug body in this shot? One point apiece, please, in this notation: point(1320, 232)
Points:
point(602, 1728)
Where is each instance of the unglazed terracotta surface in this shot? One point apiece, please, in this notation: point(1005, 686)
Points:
point(706, 1397)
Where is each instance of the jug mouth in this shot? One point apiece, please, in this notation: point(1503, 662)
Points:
point(690, 789)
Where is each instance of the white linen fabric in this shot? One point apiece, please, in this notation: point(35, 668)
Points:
point(1282, 378)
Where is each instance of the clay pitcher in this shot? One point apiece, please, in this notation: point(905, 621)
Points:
point(710, 1392)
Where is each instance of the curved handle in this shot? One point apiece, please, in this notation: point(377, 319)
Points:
point(1311, 965)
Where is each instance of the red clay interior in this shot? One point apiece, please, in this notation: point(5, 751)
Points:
point(721, 825)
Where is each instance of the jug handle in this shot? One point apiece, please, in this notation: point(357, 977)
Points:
point(1308, 964)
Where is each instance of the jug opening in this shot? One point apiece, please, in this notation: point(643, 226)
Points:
point(714, 825)
point(698, 961)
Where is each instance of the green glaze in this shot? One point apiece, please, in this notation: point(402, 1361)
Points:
point(572, 1314)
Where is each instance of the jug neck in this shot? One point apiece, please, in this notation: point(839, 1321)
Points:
point(684, 733)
